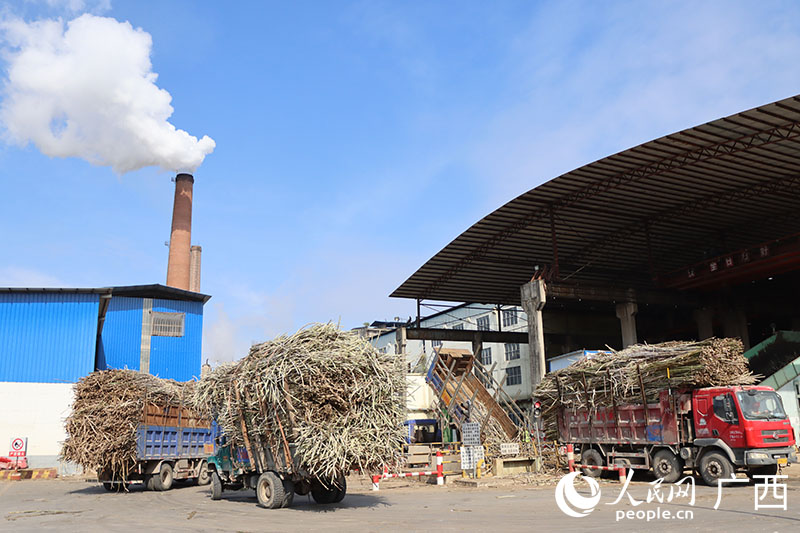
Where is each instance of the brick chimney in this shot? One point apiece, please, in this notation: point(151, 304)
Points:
point(180, 240)
point(194, 268)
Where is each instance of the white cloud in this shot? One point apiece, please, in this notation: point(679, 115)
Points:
point(78, 6)
point(87, 90)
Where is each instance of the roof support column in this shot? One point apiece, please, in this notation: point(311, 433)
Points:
point(626, 312)
point(734, 324)
point(705, 322)
point(400, 341)
point(534, 296)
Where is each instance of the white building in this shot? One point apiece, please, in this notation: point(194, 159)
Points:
point(510, 360)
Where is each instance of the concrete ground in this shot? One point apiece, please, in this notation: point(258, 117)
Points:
point(77, 505)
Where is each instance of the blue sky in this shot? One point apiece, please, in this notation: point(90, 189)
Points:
point(355, 139)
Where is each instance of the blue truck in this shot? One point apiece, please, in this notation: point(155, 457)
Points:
point(172, 443)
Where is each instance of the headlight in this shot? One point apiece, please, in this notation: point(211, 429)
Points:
point(757, 455)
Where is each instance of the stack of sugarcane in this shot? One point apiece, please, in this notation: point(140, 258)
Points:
point(620, 375)
point(321, 401)
point(108, 407)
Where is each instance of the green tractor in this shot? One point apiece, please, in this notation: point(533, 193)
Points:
point(275, 482)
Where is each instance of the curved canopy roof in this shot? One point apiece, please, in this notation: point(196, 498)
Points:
point(634, 218)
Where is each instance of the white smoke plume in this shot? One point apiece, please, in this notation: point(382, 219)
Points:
point(86, 89)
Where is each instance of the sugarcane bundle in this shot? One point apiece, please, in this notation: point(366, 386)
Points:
point(109, 405)
point(619, 376)
point(323, 398)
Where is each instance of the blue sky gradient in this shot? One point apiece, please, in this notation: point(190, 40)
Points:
point(355, 139)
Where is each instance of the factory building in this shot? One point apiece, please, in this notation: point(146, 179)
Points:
point(688, 236)
point(51, 338)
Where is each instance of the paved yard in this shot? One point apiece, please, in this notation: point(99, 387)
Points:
point(72, 505)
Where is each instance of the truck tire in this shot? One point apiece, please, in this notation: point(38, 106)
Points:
point(766, 470)
point(269, 490)
point(164, 478)
point(341, 490)
point(288, 491)
point(202, 476)
point(713, 467)
point(323, 493)
point(216, 486)
point(592, 457)
point(667, 466)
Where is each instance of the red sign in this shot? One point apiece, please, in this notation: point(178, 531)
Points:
point(19, 447)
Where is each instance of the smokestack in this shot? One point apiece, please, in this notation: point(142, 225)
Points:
point(194, 269)
point(181, 237)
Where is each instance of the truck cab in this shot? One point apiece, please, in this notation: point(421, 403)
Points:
point(744, 427)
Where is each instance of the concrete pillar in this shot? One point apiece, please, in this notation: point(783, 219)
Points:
point(734, 324)
point(533, 299)
point(626, 312)
point(705, 322)
point(477, 346)
point(400, 345)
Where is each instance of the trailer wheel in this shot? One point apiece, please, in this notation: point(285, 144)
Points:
point(591, 457)
point(216, 486)
point(715, 466)
point(667, 466)
point(322, 493)
point(341, 490)
point(163, 480)
point(288, 493)
point(269, 490)
point(202, 477)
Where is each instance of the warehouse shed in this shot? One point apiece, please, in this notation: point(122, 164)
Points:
point(50, 338)
point(688, 236)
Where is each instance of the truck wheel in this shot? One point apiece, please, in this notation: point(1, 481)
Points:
point(592, 457)
point(341, 490)
point(322, 493)
point(216, 486)
point(150, 482)
point(766, 470)
point(269, 490)
point(163, 480)
point(713, 467)
point(202, 477)
point(667, 466)
point(288, 491)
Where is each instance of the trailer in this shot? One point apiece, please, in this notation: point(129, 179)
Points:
point(715, 431)
point(172, 444)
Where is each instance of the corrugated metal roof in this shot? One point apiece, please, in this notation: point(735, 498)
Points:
point(725, 185)
point(47, 337)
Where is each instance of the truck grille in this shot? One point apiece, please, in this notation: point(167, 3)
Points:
point(775, 435)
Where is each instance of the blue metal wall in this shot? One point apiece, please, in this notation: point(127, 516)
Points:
point(178, 358)
point(121, 341)
point(47, 337)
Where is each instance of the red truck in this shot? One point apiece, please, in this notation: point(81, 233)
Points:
point(716, 431)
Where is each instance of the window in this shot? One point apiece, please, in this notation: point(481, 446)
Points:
point(483, 323)
point(509, 317)
point(512, 351)
point(514, 375)
point(168, 324)
point(458, 326)
point(724, 409)
point(436, 344)
point(486, 356)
